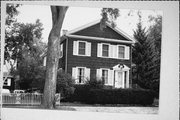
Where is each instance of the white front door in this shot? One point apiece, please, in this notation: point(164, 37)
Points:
point(119, 79)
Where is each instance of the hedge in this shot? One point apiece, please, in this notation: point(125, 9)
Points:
point(121, 96)
point(85, 94)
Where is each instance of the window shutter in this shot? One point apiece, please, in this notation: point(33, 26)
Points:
point(99, 50)
point(75, 47)
point(123, 85)
point(87, 73)
point(88, 48)
point(99, 74)
point(110, 77)
point(111, 51)
point(115, 51)
point(127, 52)
point(74, 73)
point(127, 79)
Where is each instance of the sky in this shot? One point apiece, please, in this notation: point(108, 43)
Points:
point(77, 16)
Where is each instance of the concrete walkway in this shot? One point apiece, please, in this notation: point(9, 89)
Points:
point(42, 114)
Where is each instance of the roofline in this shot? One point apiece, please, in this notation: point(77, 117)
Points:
point(100, 39)
point(83, 27)
point(121, 32)
point(116, 29)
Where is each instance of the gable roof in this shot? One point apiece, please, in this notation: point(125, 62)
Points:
point(92, 30)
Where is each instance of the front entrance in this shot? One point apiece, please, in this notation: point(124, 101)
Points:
point(119, 79)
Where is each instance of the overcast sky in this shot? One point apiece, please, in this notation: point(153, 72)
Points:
point(78, 16)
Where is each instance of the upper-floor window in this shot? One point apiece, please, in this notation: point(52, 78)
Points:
point(121, 52)
point(105, 50)
point(118, 51)
point(81, 48)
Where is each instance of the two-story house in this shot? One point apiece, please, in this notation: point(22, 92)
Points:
point(89, 53)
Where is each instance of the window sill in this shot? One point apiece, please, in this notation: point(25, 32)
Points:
point(115, 58)
point(83, 55)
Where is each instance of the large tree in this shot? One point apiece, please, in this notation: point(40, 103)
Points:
point(145, 59)
point(58, 14)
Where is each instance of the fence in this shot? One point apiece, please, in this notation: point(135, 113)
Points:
point(25, 98)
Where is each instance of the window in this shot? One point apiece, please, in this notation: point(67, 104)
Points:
point(81, 75)
point(121, 52)
point(105, 76)
point(105, 50)
point(82, 48)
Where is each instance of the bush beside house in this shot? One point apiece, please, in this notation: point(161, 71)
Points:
point(88, 95)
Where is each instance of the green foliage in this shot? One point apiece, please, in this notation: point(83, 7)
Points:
point(84, 94)
point(146, 60)
point(23, 45)
point(64, 83)
point(155, 31)
point(11, 11)
point(121, 96)
point(95, 83)
point(81, 94)
point(108, 15)
point(21, 36)
point(30, 70)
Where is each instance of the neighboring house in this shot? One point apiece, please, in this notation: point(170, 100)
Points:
point(89, 53)
point(8, 81)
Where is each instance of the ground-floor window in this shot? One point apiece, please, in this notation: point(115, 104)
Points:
point(118, 78)
point(105, 76)
point(81, 75)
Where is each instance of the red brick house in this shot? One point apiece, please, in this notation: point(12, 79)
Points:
point(91, 53)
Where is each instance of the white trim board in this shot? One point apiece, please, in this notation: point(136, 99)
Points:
point(100, 39)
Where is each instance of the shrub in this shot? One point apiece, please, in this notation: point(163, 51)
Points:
point(95, 83)
point(85, 94)
point(121, 96)
point(64, 84)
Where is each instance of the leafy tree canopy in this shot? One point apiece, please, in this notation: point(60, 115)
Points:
point(109, 15)
point(21, 36)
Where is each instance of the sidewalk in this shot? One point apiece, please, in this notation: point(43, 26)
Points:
point(80, 113)
point(95, 108)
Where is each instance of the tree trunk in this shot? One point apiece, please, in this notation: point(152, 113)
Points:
point(58, 14)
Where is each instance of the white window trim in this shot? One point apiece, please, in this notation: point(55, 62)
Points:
point(113, 57)
point(78, 47)
point(107, 76)
point(86, 49)
point(124, 52)
point(102, 50)
point(85, 74)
